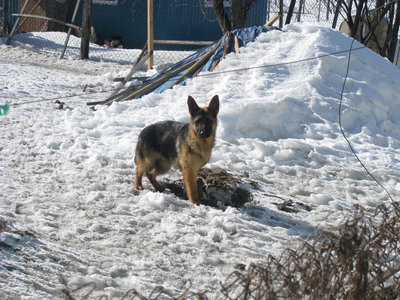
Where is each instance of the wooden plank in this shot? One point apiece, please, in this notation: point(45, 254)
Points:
point(274, 18)
point(86, 24)
point(200, 61)
point(196, 65)
point(227, 45)
point(237, 45)
point(47, 18)
point(115, 94)
point(110, 100)
point(219, 43)
point(226, 49)
point(140, 78)
point(143, 57)
point(176, 42)
point(165, 77)
point(70, 28)
point(150, 33)
point(134, 92)
point(156, 82)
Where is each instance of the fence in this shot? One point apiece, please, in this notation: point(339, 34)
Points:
point(119, 27)
point(320, 11)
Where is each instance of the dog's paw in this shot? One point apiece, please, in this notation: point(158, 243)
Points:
point(138, 187)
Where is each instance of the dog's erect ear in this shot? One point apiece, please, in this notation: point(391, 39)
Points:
point(193, 107)
point(213, 107)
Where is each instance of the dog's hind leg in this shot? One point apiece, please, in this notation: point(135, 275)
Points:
point(161, 166)
point(152, 178)
point(138, 179)
point(142, 166)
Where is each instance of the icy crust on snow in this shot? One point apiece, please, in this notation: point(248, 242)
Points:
point(66, 175)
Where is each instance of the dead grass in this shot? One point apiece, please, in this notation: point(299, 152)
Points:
point(360, 261)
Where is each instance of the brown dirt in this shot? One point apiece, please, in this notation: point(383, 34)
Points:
point(217, 187)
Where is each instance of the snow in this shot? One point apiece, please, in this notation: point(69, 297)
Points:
point(101, 58)
point(66, 175)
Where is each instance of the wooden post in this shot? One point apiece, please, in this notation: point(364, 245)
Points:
point(271, 21)
point(280, 13)
point(236, 44)
point(86, 22)
point(150, 33)
point(70, 29)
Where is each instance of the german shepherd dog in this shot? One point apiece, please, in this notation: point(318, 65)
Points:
point(186, 146)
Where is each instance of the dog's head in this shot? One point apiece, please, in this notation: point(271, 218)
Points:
point(204, 119)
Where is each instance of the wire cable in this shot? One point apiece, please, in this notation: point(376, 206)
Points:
point(349, 51)
point(342, 130)
point(60, 97)
point(214, 73)
point(279, 64)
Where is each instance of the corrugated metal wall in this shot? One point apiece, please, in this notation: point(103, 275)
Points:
point(173, 20)
point(13, 7)
point(192, 20)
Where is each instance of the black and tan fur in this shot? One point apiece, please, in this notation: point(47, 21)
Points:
point(186, 146)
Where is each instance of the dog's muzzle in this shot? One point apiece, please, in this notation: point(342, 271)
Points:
point(203, 133)
point(204, 128)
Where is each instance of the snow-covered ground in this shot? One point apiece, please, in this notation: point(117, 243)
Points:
point(52, 44)
point(66, 175)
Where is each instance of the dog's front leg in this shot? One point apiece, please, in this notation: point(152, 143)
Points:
point(190, 181)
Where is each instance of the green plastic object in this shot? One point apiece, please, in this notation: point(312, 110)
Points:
point(4, 108)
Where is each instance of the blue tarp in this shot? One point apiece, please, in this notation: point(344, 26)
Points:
point(245, 35)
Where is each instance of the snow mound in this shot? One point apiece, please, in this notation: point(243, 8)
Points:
point(66, 175)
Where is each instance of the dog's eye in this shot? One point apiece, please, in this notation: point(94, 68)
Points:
point(204, 120)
